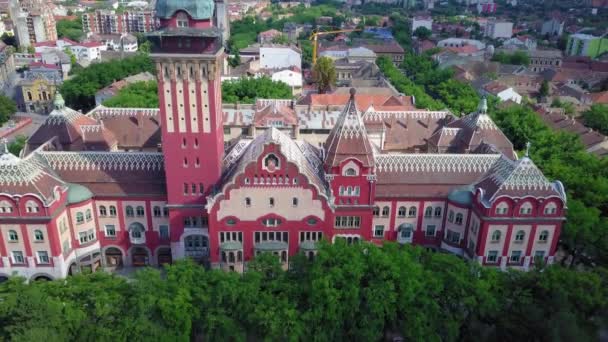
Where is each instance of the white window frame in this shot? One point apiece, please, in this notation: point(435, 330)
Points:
point(376, 228)
point(160, 230)
point(426, 230)
point(494, 255)
point(20, 254)
point(46, 255)
point(113, 227)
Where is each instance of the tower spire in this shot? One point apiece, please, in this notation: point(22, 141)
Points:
point(528, 144)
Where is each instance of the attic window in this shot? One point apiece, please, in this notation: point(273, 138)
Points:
point(182, 20)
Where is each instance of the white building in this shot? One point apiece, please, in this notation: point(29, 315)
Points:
point(553, 27)
point(352, 54)
point(503, 92)
point(460, 42)
point(85, 52)
point(499, 29)
point(292, 77)
point(422, 21)
point(280, 57)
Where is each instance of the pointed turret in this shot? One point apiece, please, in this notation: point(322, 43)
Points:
point(348, 138)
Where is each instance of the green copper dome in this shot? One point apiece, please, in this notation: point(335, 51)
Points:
point(78, 193)
point(197, 9)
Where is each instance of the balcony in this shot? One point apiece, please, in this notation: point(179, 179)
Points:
point(137, 239)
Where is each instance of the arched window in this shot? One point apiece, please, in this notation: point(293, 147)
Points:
point(165, 211)
point(12, 235)
point(385, 211)
point(525, 209)
point(79, 218)
point(550, 208)
point(350, 172)
point(182, 19)
point(129, 211)
point(544, 236)
point(247, 201)
point(496, 236)
point(401, 212)
point(438, 212)
point(451, 216)
point(412, 212)
point(239, 256)
point(103, 211)
point(459, 219)
point(38, 236)
point(294, 201)
point(231, 257)
point(31, 207)
point(376, 211)
point(283, 256)
point(520, 235)
point(428, 212)
point(88, 215)
point(112, 210)
point(5, 207)
point(157, 212)
point(502, 208)
point(140, 211)
point(137, 230)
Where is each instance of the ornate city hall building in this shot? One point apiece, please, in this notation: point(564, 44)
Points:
point(130, 187)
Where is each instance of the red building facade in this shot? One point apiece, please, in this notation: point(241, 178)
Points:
point(92, 190)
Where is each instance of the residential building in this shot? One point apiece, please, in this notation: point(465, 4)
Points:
point(541, 60)
point(279, 57)
point(293, 31)
point(501, 91)
point(461, 42)
point(7, 65)
point(85, 52)
point(33, 21)
point(336, 52)
point(526, 43)
point(553, 27)
point(36, 88)
point(581, 44)
point(417, 177)
point(113, 89)
point(425, 21)
point(112, 22)
point(390, 49)
point(499, 29)
point(268, 37)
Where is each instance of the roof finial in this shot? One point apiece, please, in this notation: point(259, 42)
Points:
point(353, 91)
point(5, 142)
point(483, 106)
point(528, 144)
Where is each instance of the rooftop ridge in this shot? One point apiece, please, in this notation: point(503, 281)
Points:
point(92, 160)
point(436, 162)
point(101, 111)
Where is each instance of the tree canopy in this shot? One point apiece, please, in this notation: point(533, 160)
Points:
point(71, 29)
point(247, 89)
point(7, 108)
point(17, 145)
point(597, 118)
point(135, 95)
point(358, 292)
point(516, 58)
point(79, 91)
point(324, 74)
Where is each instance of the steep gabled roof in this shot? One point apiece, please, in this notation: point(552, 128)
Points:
point(348, 138)
point(520, 178)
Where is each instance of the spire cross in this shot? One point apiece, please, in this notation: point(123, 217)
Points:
point(5, 142)
point(528, 144)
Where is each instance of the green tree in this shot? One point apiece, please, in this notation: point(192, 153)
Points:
point(544, 89)
point(596, 117)
point(236, 60)
point(9, 39)
point(135, 95)
point(422, 33)
point(324, 74)
point(247, 89)
point(17, 145)
point(7, 108)
point(71, 29)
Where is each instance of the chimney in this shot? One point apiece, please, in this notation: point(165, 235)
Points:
point(296, 132)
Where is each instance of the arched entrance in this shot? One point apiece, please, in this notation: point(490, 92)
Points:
point(140, 256)
point(196, 246)
point(137, 233)
point(42, 278)
point(164, 256)
point(113, 257)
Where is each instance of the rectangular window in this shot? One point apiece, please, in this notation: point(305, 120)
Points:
point(471, 245)
point(82, 237)
point(492, 257)
point(453, 237)
point(66, 246)
point(163, 231)
point(18, 257)
point(430, 230)
point(110, 230)
point(379, 231)
point(347, 221)
point(91, 234)
point(43, 257)
point(539, 256)
point(515, 256)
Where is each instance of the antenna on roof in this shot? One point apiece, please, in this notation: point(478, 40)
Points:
point(528, 144)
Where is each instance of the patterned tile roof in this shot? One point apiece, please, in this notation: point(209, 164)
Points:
point(348, 138)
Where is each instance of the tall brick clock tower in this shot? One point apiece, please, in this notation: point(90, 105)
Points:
point(187, 50)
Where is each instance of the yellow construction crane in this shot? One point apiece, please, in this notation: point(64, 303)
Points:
point(314, 36)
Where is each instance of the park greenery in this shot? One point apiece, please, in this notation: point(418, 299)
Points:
point(135, 95)
point(7, 108)
point(71, 29)
point(355, 292)
point(79, 91)
point(248, 89)
point(17, 145)
point(597, 118)
point(516, 58)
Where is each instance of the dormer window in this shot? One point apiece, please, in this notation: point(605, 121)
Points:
point(351, 172)
point(525, 209)
point(182, 20)
point(550, 209)
point(502, 208)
